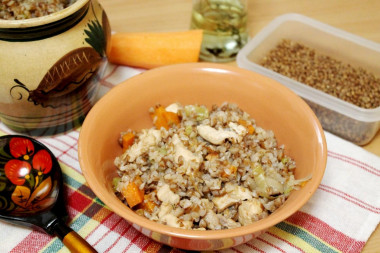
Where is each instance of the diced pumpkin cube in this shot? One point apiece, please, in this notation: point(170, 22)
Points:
point(133, 194)
point(250, 128)
point(149, 206)
point(127, 140)
point(163, 118)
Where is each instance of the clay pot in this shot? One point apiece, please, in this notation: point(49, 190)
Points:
point(50, 67)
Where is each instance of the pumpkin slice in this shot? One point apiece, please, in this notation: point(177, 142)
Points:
point(150, 50)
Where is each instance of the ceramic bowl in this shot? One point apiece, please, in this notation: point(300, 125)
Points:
point(50, 66)
point(271, 104)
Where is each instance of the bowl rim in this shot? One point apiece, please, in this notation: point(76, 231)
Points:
point(32, 22)
point(140, 222)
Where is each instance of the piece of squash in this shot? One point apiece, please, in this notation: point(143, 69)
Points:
point(250, 128)
point(148, 205)
point(133, 194)
point(127, 140)
point(159, 119)
point(154, 49)
point(163, 118)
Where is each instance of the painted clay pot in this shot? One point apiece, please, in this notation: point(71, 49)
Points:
point(50, 67)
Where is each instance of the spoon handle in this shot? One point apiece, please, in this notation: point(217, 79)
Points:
point(72, 240)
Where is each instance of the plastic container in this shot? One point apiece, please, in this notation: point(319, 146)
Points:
point(339, 117)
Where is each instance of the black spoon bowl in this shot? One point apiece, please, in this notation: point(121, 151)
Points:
point(31, 190)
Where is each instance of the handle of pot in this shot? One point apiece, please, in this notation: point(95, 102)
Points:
point(72, 240)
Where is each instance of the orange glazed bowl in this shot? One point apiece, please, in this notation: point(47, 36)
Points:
point(272, 105)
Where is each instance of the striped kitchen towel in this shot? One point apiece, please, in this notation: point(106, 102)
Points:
point(340, 216)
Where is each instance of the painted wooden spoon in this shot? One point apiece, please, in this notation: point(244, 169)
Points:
point(31, 190)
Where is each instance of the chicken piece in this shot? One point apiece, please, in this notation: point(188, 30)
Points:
point(218, 136)
point(173, 221)
point(212, 220)
point(170, 220)
point(165, 194)
point(248, 210)
point(239, 129)
point(174, 108)
point(147, 139)
point(238, 193)
point(215, 136)
point(228, 222)
point(186, 224)
point(191, 161)
point(275, 186)
point(164, 209)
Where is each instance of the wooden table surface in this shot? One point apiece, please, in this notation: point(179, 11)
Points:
point(358, 17)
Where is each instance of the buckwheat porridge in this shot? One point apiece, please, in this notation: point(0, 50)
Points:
point(203, 169)
point(25, 9)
